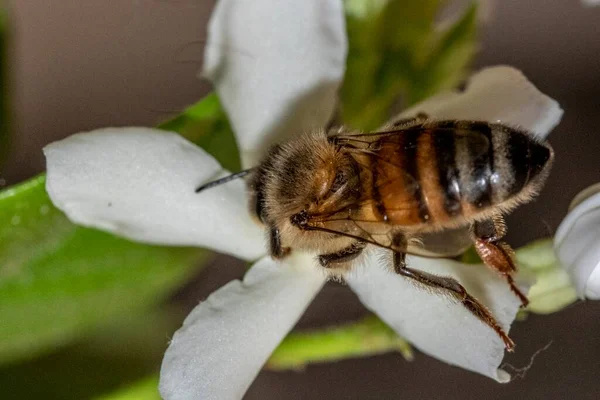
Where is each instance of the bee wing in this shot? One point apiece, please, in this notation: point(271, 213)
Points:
point(373, 232)
point(469, 131)
point(447, 243)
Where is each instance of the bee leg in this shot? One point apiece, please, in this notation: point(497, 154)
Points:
point(277, 250)
point(446, 285)
point(344, 255)
point(495, 253)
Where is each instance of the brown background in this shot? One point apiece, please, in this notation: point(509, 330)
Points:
point(79, 65)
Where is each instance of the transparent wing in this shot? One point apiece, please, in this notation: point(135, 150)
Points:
point(368, 227)
point(471, 132)
point(447, 243)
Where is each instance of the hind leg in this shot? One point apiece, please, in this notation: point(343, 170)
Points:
point(449, 286)
point(495, 253)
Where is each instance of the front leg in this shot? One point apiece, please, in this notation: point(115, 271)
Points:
point(495, 253)
point(344, 255)
point(277, 250)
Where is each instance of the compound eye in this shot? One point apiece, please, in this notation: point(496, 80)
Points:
point(340, 180)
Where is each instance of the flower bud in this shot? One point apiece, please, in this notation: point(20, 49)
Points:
point(577, 242)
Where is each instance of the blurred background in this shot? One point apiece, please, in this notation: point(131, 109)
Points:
point(76, 66)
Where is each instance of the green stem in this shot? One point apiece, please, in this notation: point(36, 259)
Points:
point(369, 336)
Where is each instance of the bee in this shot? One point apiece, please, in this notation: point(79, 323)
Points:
point(402, 188)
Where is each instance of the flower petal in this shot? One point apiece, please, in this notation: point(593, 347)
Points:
point(226, 339)
point(276, 66)
point(139, 183)
point(496, 94)
point(433, 323)
point(577, 243)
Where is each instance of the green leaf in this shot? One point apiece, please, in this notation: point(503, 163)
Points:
point(146, 389)
point(126, 350)
point(397, 52)
point(59, 281)
point(448, 63)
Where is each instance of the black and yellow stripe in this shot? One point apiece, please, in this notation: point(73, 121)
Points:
point(436, 171)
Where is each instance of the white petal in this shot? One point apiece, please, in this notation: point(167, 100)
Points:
point(226, 339)
point(577, 243)
point(276, 66)
point(434, 324)
point(139, 183)
point(496, 94)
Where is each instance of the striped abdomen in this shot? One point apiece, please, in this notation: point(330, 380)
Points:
point(441, 171)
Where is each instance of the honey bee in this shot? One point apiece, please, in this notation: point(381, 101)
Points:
point(337, 192)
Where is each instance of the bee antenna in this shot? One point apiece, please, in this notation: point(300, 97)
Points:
point(223, 180)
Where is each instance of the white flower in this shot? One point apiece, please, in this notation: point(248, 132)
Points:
point(577, 242)
point(139, 183)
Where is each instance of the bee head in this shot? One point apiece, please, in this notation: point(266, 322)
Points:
point(303, 175)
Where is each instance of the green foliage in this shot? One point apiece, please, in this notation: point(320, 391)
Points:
point(59, 281)
point(143, 390)
point(397, 52)
point(128, 349)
